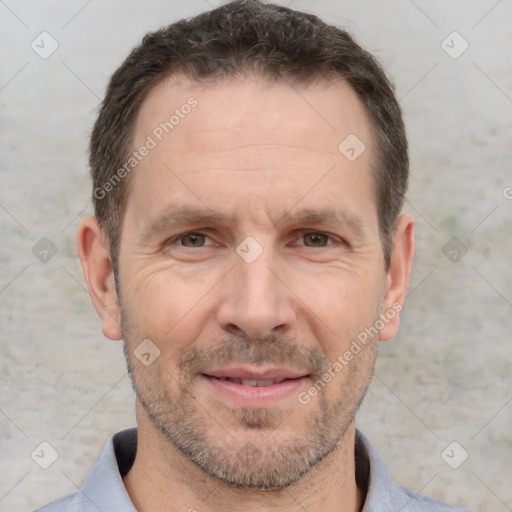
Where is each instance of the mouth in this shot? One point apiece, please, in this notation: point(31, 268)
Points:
point(253, 382)
point(252, 387)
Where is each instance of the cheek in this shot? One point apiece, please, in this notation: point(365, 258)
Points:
point(174, 308)
point(166, 308)
point(341, 307)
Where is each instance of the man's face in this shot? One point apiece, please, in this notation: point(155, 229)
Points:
point(250, 256)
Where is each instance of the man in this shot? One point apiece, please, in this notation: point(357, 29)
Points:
point(249, 167)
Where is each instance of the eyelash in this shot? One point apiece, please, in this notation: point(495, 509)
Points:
point(331, 238)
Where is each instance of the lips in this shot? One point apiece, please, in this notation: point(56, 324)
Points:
point(253, 386)
point(254, 376)
point(253, 382)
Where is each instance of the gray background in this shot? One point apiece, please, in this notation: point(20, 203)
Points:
point(446, 377)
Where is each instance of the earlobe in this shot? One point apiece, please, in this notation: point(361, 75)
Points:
point(97, 269)
point(398, 275)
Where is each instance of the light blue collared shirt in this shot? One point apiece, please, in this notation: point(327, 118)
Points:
point(104, 491)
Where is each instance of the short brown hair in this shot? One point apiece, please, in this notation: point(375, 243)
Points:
point(240, 37)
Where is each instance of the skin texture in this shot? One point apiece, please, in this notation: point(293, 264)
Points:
point(256, 157)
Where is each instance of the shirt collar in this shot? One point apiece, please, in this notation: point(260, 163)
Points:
point(104, 488)
point(373, 477)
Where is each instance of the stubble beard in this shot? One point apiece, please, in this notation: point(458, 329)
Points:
point(261, 458)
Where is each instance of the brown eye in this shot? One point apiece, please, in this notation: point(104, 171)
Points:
point(193, 240)
point(316, 240)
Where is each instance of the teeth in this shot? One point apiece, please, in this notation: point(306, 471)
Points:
point(253, 382)
point(266, 382)
point(250, 382)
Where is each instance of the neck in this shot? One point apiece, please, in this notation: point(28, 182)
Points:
point(163, 479)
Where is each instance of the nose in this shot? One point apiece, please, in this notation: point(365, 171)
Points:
point(255, 300)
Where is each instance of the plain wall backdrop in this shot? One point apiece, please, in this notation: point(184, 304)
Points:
point(442, 388)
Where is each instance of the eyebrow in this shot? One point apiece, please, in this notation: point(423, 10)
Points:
point(325, 216)
point(188, 215)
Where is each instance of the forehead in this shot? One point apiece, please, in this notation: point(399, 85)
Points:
point(276, 111)
point(249, 133)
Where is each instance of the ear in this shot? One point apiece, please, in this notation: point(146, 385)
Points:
point(97, 269)
point(397, 278)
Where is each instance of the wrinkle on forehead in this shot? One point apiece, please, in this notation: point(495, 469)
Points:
point(249, 128)
point(234, 112)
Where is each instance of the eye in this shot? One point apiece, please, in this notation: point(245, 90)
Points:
point(192, 240)
point(316, 239)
